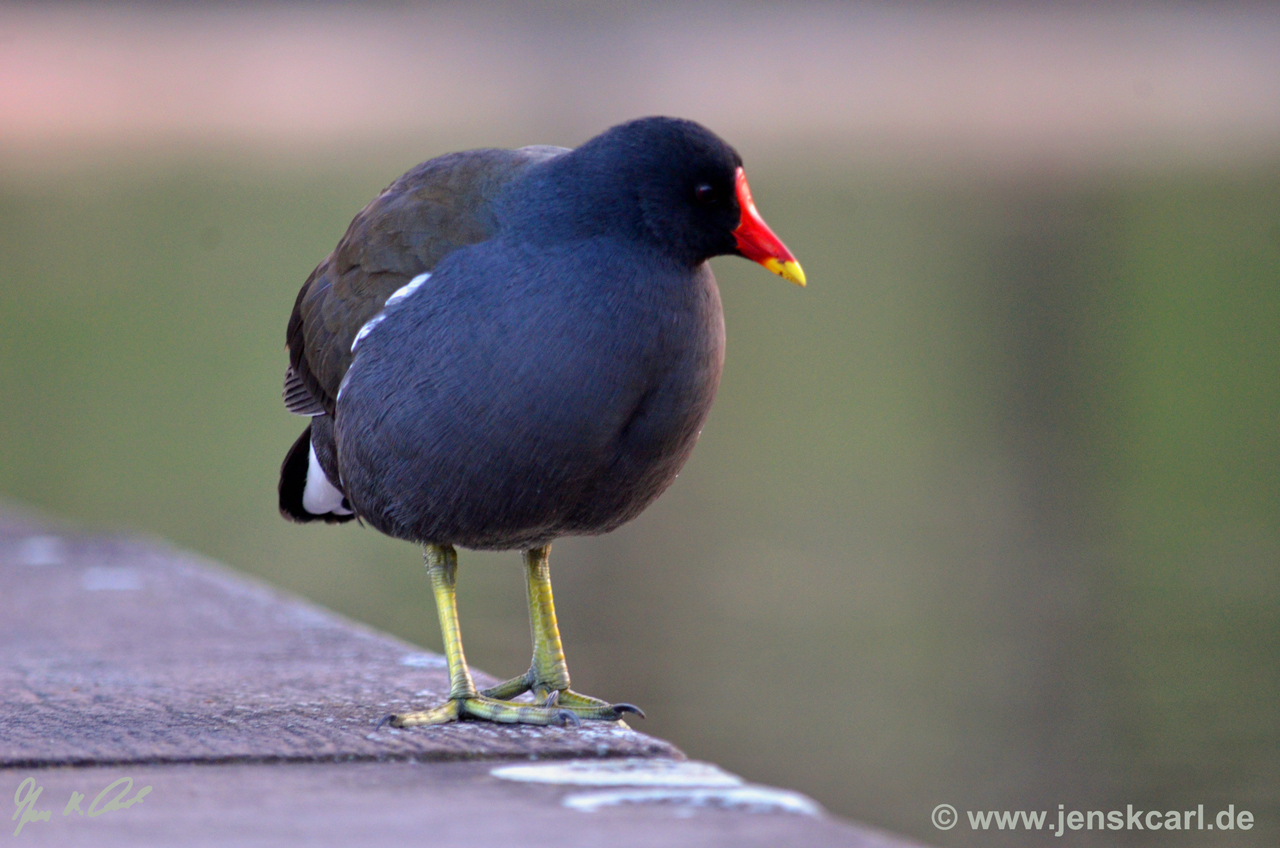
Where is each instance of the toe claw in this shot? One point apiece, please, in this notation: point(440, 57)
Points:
point(553, 698)
point(569, 717)
point(387, 719)
point(628, 708)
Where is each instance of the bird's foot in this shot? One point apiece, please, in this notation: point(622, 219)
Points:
point(547, 678)
point(560, 708)
point(581, 706)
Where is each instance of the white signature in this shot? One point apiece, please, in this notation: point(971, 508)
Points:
point(28, 793)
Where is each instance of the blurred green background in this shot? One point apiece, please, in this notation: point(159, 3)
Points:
point(986, 515)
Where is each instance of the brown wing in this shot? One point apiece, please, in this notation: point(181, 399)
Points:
point(434, 209)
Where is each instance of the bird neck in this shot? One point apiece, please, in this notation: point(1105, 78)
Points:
point(572, 197)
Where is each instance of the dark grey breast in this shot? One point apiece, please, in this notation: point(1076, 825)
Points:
point(526, 392)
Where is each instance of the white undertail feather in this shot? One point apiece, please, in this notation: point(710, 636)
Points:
point(321, 497)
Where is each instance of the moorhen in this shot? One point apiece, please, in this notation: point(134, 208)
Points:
point(508, 346)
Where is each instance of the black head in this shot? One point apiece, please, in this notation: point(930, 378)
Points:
point(682, 177)
point(667, 181)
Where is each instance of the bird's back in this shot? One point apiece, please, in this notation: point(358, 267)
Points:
point(428, 213)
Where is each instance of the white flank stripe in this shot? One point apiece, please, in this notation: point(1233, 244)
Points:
point(406, 290)
point(319, 496)
point(396, 297)
point(367, 329)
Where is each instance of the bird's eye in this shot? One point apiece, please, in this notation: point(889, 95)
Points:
point(705, 194)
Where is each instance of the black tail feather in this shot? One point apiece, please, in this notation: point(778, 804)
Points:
point(293, 481)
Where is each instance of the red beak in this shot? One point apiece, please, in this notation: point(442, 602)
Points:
point(757, 242)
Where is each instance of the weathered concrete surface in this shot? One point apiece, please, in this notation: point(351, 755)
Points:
point(119, 651)
point(391, 804)
point(151, 698)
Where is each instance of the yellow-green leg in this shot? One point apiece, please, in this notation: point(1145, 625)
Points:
point(464, 701)
point(548, 675)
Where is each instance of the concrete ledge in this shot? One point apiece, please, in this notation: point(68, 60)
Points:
point(252, 716)
point(118, 651)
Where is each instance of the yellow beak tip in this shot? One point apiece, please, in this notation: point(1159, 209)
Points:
point(788, 270)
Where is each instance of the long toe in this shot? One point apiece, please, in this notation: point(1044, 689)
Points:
point(481, 708)
point(442, 714)
point(509, 689)
point(560, 708)
point(584, 706)
point(514, 712)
